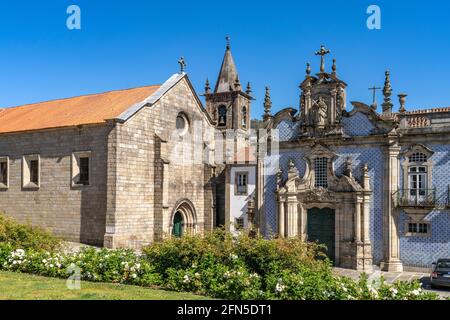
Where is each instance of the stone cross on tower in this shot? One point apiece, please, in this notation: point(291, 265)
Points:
point(322, 52)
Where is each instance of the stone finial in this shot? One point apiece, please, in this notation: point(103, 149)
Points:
point(267, 105)
point(333, 68)
point(227, 38)
point(207, 87)
point(182, 64)
point(237, 84)
point(348, 167)
point(279, 175)
point(365, 177)
point(387, 93)
point(402, 101)
point(308, 69)
point(249, 89)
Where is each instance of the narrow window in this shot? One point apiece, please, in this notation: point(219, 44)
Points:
point(31, 175)
point(222, 111)
point(84, 171)
point(244, 117)
point(34, 171)
point(320, 172)
point(4, 174)
point(81, 168)
point(241, 183)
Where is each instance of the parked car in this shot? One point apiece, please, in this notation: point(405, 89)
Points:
point(440, 273)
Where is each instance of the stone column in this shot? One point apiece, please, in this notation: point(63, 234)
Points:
point(391, 243)
point(281, 219)
point(292, 217)
point(358, 222)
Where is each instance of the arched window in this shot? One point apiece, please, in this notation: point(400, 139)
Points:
point(222, 111)
point(244, 116)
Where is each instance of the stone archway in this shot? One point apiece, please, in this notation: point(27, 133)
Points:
point(183, 219)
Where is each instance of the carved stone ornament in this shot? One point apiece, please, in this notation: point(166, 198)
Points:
point(319, 195)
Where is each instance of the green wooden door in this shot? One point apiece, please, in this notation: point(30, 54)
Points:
point(321, 228)
point(177, 229)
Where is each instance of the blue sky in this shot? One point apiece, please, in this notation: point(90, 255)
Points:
point(132, 43)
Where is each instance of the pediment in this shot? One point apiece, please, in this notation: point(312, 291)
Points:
point(319, 151)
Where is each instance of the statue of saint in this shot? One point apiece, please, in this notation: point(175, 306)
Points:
point(320, 111)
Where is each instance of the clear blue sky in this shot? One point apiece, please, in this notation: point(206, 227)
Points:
point(132, 43)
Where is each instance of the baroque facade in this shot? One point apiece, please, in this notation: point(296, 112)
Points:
point(373, 187)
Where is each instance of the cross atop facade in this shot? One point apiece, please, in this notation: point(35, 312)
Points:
point(374, 89)
point(182, 64)
point(322, 52)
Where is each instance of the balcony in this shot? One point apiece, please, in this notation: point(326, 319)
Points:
point(416, 198)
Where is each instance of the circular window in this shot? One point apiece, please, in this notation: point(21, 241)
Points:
point(182, 124)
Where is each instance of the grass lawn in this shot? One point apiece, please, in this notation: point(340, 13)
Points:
point(19, 286)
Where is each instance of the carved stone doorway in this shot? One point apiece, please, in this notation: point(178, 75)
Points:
point(321, 229)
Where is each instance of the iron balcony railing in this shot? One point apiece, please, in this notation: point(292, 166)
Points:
point(415, 198)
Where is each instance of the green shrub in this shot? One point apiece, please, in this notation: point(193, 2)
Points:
point(217, 265)
point(26, 236)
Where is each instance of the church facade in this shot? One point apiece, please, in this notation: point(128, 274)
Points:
point(129, 167)
point(373, 187)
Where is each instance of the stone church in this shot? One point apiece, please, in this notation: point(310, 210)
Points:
point(123, 168)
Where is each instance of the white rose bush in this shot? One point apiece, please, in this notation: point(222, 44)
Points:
point(217, 265)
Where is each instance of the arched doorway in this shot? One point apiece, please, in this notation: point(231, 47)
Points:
point(177, 229)
point(184, 219)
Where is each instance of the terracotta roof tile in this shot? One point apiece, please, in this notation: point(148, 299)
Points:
point(81, 110)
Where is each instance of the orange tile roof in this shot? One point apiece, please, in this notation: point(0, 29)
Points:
point(82, 110)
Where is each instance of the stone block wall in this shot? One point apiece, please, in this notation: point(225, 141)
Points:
point(75, 213)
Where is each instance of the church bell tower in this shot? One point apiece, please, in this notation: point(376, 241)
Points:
point(228, 105)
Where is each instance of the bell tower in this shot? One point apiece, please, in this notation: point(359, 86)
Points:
point(322, 100)
point(228, 105)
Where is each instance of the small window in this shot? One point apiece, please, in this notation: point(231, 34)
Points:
point(182, 124)
point(418, 157)
point(320, 172)
point(4, 172)
point(81, 168)
point(241, 183)
point(244, 117)
point(31, 171)
point(240, 223)
point(418, 228)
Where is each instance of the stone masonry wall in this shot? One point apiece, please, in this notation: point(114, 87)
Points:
point(136, 215)
point(75, 213)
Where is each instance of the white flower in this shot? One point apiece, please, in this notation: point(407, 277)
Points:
point(279, 287)
point(186, 279)
point(415, 292)
point(233, 256)
point(134, 275)
point(393, 290)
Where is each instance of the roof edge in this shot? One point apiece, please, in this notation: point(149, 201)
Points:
point(133, 109)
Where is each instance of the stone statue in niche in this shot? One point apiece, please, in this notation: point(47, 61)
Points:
point(320, 110)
